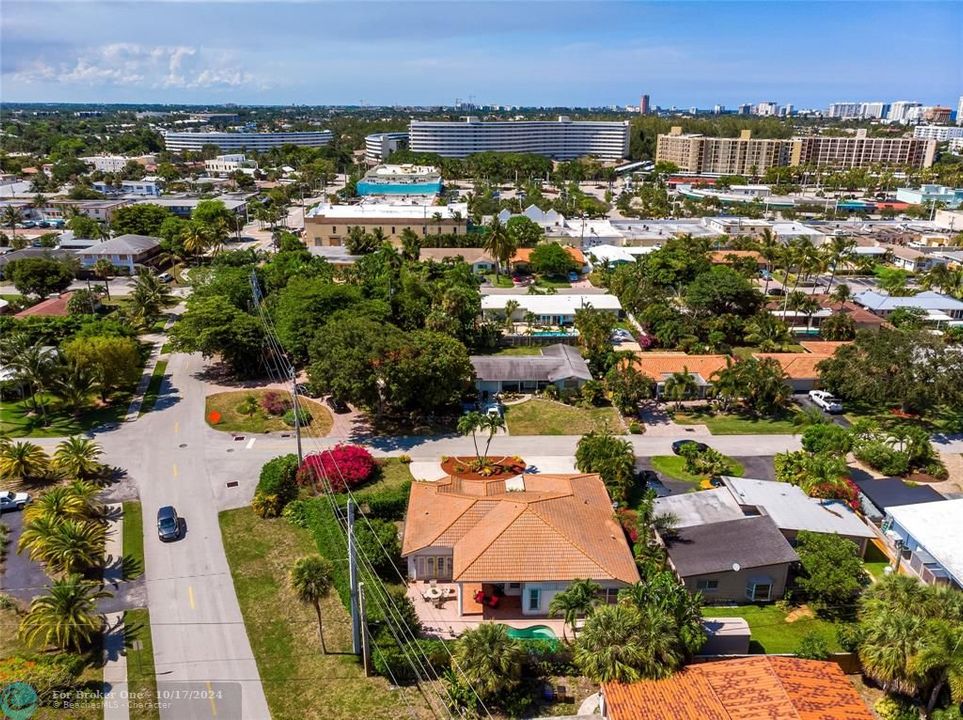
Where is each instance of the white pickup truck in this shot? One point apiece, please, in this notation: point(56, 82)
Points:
point(13, 501)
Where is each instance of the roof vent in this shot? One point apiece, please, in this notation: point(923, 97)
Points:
point(515, 484)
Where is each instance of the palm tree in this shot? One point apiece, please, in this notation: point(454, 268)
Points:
point(489, 659)
point(499, 243)
point(889, 642)
point(149, 297)
point(771, 249)
point(12, 216)
point(21, 461)
point(940, 660)
point(469, 424)
point(77, 457)
point(768, 332)
point(609, 649)
point(841, 294)
point(103, 269)
point(680, 386)
point(579, 598)
point(196, 239)
point(311, 580)
point(66, 618)
point(511, 306)
point(492, 422)
point(57, 503)
point(34, 364)
point(74, 546)
point(840, 249)
point(74, 385)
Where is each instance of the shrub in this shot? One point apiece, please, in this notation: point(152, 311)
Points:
point(404, 459)
point(388, 504)
point(296, 513)
point(936, 468)
point(343, 466)
point(274, 403)
point(378, 542)
point(551, 392)
point(548, 658)
point(303, 417)
point(843, 489)
point(276, 487)
point(849, 636)
point(392, 662)
point(827, 437)
point(882, 457)
point(248, 406)
point(895, 708)
point(636, 428)
point(812, 647)
point(47, 675)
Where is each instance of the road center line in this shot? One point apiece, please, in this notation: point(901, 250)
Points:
point(190, 596)
point(174, 470)
point(210, 696)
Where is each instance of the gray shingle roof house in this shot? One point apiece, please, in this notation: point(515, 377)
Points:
point(124, 251)
point(560, 365)
point(732, 561)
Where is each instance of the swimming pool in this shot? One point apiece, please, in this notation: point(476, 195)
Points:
point(536, 632)
point(364, 187)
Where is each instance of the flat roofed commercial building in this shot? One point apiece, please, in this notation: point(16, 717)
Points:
point(328, 225)
point(379, 146)
point(859, 151)
point(260, 141)
point(562, 139)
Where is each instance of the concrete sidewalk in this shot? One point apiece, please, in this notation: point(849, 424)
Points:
point(116, 702)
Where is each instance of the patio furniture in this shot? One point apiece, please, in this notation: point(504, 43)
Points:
point(433, 594)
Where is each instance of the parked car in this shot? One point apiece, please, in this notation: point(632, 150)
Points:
point(826, 401)
point(339, 406)
point(573, 277)
point(493, 409)
point(13, 501)
point(679, 444)
point(165, 277)
point(168, 524)
point(620, 335)
point(777, 292)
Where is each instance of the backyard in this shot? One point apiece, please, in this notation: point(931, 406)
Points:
point(720, 423)
point(233, 416)
point(299, 681)
point(776, 631)
point(548, 417)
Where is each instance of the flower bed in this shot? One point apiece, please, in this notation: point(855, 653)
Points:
point(501, 467)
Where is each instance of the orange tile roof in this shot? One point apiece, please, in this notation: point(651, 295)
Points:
point(659, 365)
point(524, 255)
point(559, 527)
point(823, 347)
point(798, 366)
point(51, 307)
point(774, 688)
point(720, 257)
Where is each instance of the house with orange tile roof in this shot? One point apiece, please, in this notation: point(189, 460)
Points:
point(501, 549)
point(523, 257)
point(800, 367)
point(51, 307)
point(743, 689)
point(726, 257)
point(661, 366)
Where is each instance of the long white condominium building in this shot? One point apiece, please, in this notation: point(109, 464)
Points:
point(194, 141)
point(379, 146)
point(562, 139)
point(940, 133)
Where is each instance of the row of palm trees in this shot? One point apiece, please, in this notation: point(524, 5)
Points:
point(65, 529)
point(76, 458)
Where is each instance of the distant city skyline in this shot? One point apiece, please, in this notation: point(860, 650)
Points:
point(683, 54)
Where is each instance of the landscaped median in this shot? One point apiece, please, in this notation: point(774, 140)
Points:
point(153, 388)
point(141, 676)
point(133, 540)
point(261, 411)
point(674, 466)
point(539, 416)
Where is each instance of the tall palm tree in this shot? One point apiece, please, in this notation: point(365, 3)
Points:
point(609, 648)
point(104, 269)
point(940, 660)
point(21, 461)
point(148, 297)
point(511, 306)
point(469, 424)
point(839, 250)
point(12, 216)
point(680, 386)
point(499, 243)
point(489, 659)
point(841, 294)
point(771, 250)
point(34, 365)
point(75, 546)
point(311, 580)
point(74, 385)
point(578, 599)
point(196, 239)
point(66, 618)
point(78, 457)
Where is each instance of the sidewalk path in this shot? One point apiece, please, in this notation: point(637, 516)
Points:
point(116, 701)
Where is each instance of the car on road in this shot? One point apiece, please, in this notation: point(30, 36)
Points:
point(826, 401)
point(679, 444)
point(10, 500)
point(339, 406)
point(168, 524)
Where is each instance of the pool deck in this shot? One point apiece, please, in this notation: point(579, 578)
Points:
point(444, 621)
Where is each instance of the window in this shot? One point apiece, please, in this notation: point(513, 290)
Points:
point(514, 586)
point(392, 229)
point(759, 591)
point(534, 598)
point(707, 585)
point(334, 229)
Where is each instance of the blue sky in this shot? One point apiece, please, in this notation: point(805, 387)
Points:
point(530, 53)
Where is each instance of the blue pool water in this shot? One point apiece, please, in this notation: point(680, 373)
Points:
point(536, 632)
point(551, 333)
point(427, 188)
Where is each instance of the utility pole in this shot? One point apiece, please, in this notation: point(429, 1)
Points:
point(365, 640)
point(353, 581)
point(297, 414)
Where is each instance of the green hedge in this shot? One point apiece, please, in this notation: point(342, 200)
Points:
point(387, 504)
point(277, 486)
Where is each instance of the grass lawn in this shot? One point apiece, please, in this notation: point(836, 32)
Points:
point(736, 424)
point(227, 403)
point(133, 540)
point(16, 419)
point(771, 633)
point(299, 682)
point(552, 281)
point(942, 419)
point(394, 473)
point(141, 677)
point(673, 466)
point(153, 388)
point(503, 281)
point(548, 417)
point(520, 350)
point(875, 562)
point(87, 686)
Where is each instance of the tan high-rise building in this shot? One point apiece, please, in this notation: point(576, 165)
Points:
point(721, 156)
point(859, 151)
point(701, 155)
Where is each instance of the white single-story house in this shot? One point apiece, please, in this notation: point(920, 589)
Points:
point(125, 252)
point(480, 259)
point(930, 537)
point(557, 309)
point(559, 365)
point(935, 304)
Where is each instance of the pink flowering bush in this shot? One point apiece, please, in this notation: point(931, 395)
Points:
point(274, 403)
point(344, 466)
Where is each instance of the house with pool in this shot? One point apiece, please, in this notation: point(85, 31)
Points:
point(499, 549)
point(548, 310)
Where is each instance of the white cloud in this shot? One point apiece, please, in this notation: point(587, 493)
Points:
point(129, 64)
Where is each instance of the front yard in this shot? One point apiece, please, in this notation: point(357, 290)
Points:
point(233, 416)
point(774, 631)
point(673, 466)
point(720, 423)
point(548, 417)
point(300, 682)
point(18, 420)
